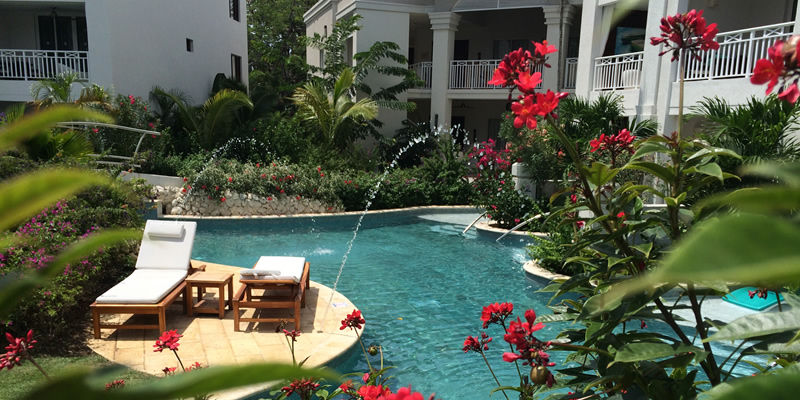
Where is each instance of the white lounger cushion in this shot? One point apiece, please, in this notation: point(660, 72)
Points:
point(162, 249)
point(276, 268)
point(143, 287)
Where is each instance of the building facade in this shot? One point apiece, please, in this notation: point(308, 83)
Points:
point(131, 46)
point(455, 45)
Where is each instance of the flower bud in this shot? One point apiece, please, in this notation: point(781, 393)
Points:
point(539, 375)
point(372, 350)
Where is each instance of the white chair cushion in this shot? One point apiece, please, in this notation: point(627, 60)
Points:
point(143, 287)
point(166, 252)
point(174, 231)
point(276, 268)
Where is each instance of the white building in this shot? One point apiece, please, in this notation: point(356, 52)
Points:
point(130, 45)
point(455, 45)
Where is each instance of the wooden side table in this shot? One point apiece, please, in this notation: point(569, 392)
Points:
point(202, 280)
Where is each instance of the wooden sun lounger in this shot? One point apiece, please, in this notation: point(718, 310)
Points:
point(295, 298)
point(158, 309)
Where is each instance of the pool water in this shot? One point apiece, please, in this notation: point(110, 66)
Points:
point(420, 284)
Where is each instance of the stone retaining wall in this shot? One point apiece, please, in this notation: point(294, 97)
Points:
point(197, 203)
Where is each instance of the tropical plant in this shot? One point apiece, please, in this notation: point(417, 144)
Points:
point(212, 124)
point(584, 120)
point(335, 113)
point(57, 90)
point(381, 58)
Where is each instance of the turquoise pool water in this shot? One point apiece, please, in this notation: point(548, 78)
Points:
point(420, 284)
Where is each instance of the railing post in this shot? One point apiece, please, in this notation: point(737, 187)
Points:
point(749, 56)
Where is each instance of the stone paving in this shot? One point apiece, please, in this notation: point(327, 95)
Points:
point(212, 341)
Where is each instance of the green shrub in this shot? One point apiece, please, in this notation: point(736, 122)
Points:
point(550, 253)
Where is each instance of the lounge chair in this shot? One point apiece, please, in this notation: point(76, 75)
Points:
point(284, 281)
point(162, 265)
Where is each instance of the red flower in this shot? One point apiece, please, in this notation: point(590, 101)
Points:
point(686, 32)
point(477, 345)
point(353, 320)
point(525, 110)
point(293, 334)
point(373, 392)
point(510, 67)
point(183, 190)
point(194, 366)
point(543, 49)
point(496, 313)
point(642, 324)
point(116, 384)
point(258, 165)
point(298, 197)
point(263, 175)
point(526, 83)
point(573, 198)
point(790, 94)
point(548, 102)
point(222, 199)
point(404, 393)
point(203, 187)
point(186, 179)
point(269, 198)
point(168, 340)
point(304, 387)
point(621, 214)
point(347, 385)
point(17, 350)
point(169, 370)
point(230, 179)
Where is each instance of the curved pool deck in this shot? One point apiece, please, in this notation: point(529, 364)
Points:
point(212, 341)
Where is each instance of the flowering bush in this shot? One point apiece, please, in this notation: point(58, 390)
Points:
point(494, 187)
point(127, 111)
point(56, 311)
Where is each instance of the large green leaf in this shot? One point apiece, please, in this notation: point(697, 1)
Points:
point(759, 325)
point(651, 351)
point(30, 127)
point(710, 169)
point(24, 196)
point(789, 174)
point(778, 386)
point(598, 174)
point(764, 199)
point(654, 169)
point(91, 385)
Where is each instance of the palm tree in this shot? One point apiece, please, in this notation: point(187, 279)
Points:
point(56, 90)
point(585, 120)
point(213, 123)
point(335, 114)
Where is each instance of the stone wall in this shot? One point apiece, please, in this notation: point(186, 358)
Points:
point(176, 202)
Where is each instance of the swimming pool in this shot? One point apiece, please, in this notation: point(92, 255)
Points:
point(419, 282)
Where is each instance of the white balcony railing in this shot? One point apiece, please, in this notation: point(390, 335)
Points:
point(570, 72)
point(474, 74)
point(425, 72)
point(737, 53)
point(621, 71)
point(42, 64)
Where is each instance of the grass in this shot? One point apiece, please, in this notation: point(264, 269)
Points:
point(16, 383)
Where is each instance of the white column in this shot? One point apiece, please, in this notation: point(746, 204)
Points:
point(652, 64)
point(444, 26)
point(556, 35)
point(590, 45)
point(668, 73)
point(797, 21)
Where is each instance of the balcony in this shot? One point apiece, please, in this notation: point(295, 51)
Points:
point(622, 71)
point(424, 71)
point(737, 54)
point(570, 72)
point(475, 74)
point(26, 65)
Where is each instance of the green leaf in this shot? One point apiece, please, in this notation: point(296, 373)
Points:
point(654, 169)
point(91, 386)
point(773, 386)
point(649, 147)
point(710, 169)
point(26, 128)
point(26, 195)
point(788, 174)
point(650, 351)
point(599, 174)
point(758, 325)
point(762, 200)
point(556, 317)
